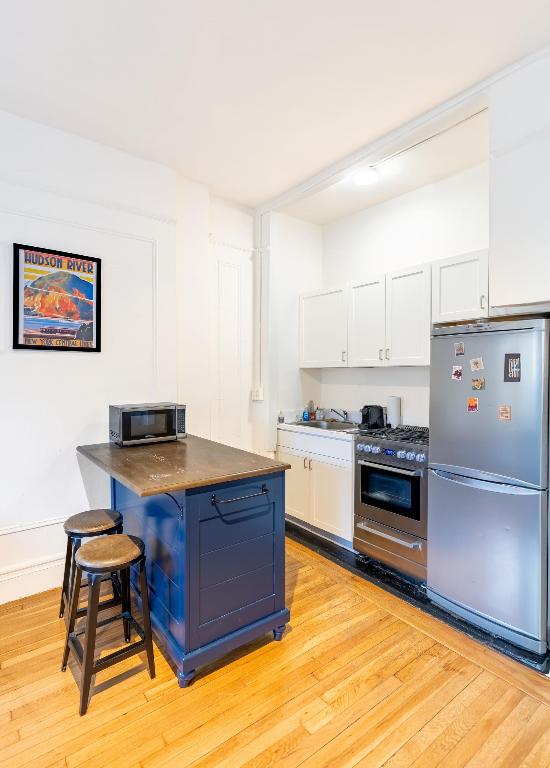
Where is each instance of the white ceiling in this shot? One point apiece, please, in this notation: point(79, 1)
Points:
point(251, 96)
point(452, 151)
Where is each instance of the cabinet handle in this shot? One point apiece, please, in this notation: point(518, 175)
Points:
point(380, 354)
point(387, 353)
point(305, 463)
point(310, 465)
point(482, 301)
point(344, 356)
point(216, 502)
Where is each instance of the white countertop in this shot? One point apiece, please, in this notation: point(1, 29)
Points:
point(333, 434)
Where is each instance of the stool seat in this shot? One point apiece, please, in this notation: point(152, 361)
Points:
point(93, 522)
point(109, 553)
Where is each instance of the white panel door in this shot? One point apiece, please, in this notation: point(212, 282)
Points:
point(460, 286)
point(297, 484)
point(408, 316)
point(231, 350)
point(323, 329)
point(367, 322)
point(332, 496)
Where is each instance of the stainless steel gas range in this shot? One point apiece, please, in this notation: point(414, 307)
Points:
point(391, 497)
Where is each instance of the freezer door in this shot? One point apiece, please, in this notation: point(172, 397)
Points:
point(487, 554)
point(503, 435)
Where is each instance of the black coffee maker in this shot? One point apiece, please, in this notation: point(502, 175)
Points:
point(372, 417)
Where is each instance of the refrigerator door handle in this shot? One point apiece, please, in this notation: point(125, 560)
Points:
point(484, 485)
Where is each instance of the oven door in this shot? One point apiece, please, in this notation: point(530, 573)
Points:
point(148, 425)
point(392, 496)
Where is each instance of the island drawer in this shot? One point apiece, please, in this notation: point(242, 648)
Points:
point(232, 527)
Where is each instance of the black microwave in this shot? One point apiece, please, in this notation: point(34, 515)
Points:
point(146, 423)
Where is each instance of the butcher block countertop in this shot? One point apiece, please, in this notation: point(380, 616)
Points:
point(179, 465)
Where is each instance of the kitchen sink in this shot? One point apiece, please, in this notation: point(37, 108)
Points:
point(335, 425)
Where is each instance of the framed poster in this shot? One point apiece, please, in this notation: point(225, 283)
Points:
point(56, 300)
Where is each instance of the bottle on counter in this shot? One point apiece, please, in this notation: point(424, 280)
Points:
point(305, 415)
point(281, 418)
point(311, 409)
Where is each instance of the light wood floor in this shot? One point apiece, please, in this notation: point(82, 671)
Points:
point(360, 679)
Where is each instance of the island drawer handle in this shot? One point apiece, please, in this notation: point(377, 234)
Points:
point(216, 501)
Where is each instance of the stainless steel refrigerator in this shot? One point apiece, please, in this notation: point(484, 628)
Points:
point(488, 477)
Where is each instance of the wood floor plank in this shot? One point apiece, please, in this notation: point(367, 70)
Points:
point(433, 729)
point(361, 678)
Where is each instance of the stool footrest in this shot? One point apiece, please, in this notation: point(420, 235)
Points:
point(76, 645)
point(120, 655)
point(110, 603)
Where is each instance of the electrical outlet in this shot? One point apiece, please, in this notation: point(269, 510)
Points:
point(257, 394)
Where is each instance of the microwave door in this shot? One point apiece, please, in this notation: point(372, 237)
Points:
point(151, 425)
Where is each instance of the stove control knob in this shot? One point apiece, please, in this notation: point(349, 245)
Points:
point(376, 449)
point(421, 457)
point(410, 455)
point(401, 454)
point(367, 448)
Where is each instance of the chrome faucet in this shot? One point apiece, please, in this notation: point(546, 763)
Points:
point(343, 414)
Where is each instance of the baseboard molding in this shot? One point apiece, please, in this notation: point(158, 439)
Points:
point(31, 577)
point(20, 527)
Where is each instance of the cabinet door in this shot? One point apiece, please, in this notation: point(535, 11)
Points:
point(460, 287)
point(519, 276)
point(323, 329)
point(367, 322)
point(332, 496)
point(408, 316)
point(297, 485)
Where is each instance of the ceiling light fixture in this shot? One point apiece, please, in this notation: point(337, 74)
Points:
point(365, 177)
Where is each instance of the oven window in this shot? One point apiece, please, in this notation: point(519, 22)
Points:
point(390, 491)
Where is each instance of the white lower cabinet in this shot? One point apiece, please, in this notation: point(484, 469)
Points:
point(297, 483)
point(319, 490)
point(332, 496)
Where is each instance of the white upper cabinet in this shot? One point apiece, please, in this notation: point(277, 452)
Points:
point(324, 328)
point(519, 260)
point(408, 316)
point(367, 322)
point(460, 287)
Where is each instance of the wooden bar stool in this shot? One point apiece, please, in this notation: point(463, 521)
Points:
point(94, 522)
point(98, 558)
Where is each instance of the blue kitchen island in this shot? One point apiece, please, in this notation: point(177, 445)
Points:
point(212, 519)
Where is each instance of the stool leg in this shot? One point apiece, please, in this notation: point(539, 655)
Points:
point(76, 546)
point(94, 584)
point(126, 601)
point(65, 587)
point(146, 618)
point(115, 580)
point(73, 607)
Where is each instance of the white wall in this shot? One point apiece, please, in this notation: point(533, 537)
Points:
point(439, 220)
point(61, 191)
point(433, 222)
point(295, 266)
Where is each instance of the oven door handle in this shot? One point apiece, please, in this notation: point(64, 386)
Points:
point(389, 468)
point(395, 539)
